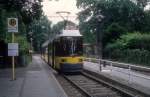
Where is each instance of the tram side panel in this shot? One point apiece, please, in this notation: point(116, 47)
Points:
point(49, 55)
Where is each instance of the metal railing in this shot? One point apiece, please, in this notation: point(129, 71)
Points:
point(119, 64)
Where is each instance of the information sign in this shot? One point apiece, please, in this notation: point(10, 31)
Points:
point(13, 49)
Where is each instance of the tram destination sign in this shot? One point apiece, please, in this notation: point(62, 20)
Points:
point(12, 25)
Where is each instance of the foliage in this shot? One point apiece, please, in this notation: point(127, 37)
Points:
point(40, 34)
point(113, 32)
point(2, 25)
point(58, 27)
point(23, 45)
point(132, 41)
point(131, 47)
point(134, 56)
point(98, 15)
point(27, 8)
point(110, 19)
point(142, 3)
point(24, 10)
point(89, 37)
point(146, 25)
point(39, 31)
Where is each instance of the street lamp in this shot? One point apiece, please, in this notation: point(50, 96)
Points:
point(99, 35)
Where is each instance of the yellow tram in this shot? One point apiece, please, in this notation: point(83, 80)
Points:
point(65, 51)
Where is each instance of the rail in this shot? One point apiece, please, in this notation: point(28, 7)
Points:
point(91, 86)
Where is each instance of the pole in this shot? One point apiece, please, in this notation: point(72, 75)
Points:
point(100, 65)
point(99, 43)
point(13, 60)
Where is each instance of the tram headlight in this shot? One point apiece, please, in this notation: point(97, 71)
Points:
point(80, 60)
point(63, 60)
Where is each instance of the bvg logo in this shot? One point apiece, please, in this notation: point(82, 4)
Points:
point(12, 22)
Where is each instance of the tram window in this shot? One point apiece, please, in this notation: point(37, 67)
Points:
point(79, 48)
point(69, 46)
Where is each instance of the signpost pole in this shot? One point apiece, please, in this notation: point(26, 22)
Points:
point(13, 60)
point(13, 47)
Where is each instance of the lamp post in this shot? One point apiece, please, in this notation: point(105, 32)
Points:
point(99, 35)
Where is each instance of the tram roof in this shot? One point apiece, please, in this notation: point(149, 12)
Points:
point(70, 33)
point(73, 33)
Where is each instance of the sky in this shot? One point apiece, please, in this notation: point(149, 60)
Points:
point(50, 7)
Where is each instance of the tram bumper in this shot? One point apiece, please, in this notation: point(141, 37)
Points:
point(68, 67)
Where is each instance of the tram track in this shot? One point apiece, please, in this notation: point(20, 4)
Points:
point(70, 89)
point(118, 85)
point(93, 88)
point(92, 85)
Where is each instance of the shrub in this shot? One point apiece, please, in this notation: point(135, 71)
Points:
point(132, 48)
point(23, 45)
point(113, 32)
point(131, 41)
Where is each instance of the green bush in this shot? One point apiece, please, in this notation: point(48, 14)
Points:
point(23, 45)
point(131, 41)
point(136, 56)
point(113, 32)
point(136, 41)
point(131, 48)
point(24, 58)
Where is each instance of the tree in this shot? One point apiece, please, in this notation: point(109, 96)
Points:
point(142, 3)
point(39, 31)
point(146, 26)
point(2, 27)
point(24, 10)
point(113, 32)
point(100, 14)
point(27, 8)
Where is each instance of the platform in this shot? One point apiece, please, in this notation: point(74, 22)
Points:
point(128, 77)
point(36, 80)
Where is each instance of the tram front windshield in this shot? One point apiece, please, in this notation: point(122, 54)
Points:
point(69, 46)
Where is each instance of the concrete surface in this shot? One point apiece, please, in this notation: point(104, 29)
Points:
point(36, 80)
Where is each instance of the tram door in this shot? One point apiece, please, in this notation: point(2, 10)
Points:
point(3, 54)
